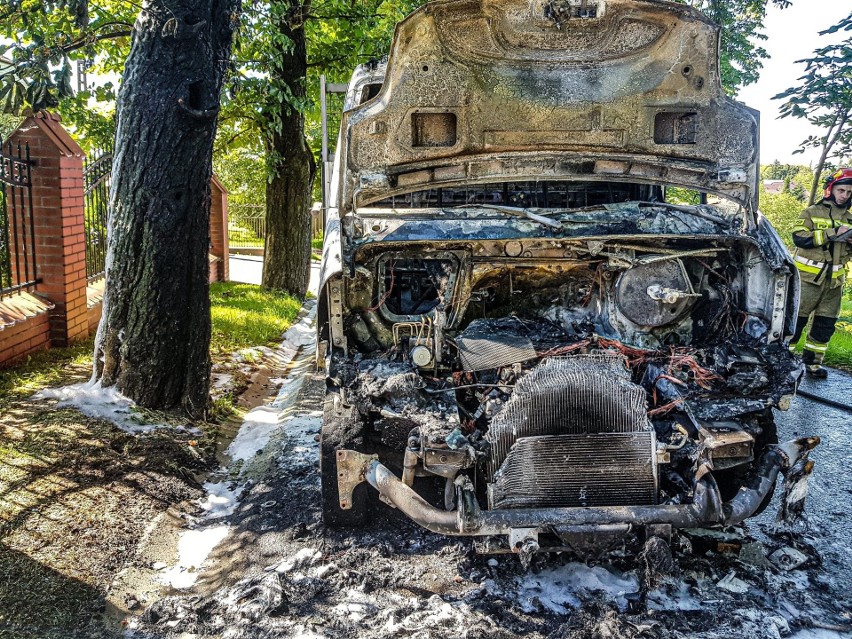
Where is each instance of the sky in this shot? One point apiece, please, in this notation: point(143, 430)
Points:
point(793, 34)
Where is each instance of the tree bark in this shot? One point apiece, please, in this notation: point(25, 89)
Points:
point(154, 337)
point(287, 258)
point(820, 164)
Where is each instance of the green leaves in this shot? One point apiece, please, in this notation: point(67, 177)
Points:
point(823, 97)
point(49, 36)
point(340, 34)
point(28, 82)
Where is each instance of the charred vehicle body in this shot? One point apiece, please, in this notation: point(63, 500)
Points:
point(513, 305)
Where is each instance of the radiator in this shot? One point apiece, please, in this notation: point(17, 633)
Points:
point(575, 432)
point(605, 469)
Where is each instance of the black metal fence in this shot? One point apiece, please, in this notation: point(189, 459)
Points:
point(17, 229)
point(96, 181)
point(246, 225)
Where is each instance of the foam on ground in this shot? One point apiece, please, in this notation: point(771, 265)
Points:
point(99, 402)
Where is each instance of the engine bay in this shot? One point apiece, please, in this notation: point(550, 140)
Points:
point(531, 366)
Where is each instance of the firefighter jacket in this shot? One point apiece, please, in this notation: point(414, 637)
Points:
point(819, 255)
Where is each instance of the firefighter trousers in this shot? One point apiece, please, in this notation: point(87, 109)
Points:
point(823, 302)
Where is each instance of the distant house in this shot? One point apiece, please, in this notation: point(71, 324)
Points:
point(773, 186)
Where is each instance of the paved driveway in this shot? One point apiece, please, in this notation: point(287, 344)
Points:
point(245, 268)
point(249, 269)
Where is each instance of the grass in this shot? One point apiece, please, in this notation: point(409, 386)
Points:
point(44, 369)
point(245, 315)
point(316, 248)
point(840, 347)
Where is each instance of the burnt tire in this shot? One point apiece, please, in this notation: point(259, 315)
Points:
point(342, 428)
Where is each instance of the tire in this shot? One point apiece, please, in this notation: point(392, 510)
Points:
point(341, 428)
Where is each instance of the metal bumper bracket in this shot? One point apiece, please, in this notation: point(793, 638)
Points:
point(351, 470)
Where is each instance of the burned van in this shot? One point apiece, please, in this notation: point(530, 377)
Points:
point(546, 285)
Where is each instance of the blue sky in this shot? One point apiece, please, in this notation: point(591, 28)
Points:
point(793, 35)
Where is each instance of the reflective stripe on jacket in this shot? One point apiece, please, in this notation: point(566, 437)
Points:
point(817, 255)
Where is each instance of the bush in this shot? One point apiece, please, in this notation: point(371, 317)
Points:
point(782, 210)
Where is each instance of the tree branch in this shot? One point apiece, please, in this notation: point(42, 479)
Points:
point(82, 42)
point(830, 139)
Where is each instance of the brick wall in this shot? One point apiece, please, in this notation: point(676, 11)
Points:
point(219, 231)
point(26, 326)
point(19, 340)
point(57, 195)
point(63, 310)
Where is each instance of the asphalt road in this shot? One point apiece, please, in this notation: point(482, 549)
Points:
point(248, 269)
point(829, 506)
point(245, 268)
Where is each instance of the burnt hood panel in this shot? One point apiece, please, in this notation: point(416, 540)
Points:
point(592, 89)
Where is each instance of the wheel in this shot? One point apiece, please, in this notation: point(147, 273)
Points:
point(342, 427)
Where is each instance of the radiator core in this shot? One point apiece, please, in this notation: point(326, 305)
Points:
point(606, 469)
point(574, 433)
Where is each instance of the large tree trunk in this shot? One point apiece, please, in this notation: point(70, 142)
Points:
point(287, 258)
point(154, 336)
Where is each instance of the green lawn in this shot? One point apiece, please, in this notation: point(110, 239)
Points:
point(840, 348)
point(44, 369)
point(245, 315)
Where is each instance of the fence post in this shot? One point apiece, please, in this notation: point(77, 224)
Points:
point(58, 213)
point(219, 229)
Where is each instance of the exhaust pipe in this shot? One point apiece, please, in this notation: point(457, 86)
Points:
point(706, 509)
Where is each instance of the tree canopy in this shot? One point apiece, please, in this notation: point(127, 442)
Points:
point(823, 97)
point(48, 39)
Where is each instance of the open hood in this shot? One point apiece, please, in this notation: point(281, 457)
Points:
point(484, 90)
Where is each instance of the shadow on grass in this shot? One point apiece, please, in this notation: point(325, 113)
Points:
point(76, 495)
point(26, 583)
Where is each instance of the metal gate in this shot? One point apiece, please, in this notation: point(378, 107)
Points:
point(246, 225)
point(96, 182)
point(17, 232)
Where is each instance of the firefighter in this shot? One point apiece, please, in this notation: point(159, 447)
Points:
point(823, 242)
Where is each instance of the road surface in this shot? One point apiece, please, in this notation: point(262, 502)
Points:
point(277, 572)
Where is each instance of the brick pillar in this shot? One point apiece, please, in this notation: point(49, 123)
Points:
point(219, 229)
point(58, 211)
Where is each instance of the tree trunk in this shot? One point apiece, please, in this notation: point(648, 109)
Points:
point(831, 138)
point(287, 258)
point(154, 337)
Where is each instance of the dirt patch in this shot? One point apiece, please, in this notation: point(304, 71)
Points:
point(76, 495)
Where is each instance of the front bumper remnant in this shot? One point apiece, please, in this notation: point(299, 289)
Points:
point(706, 509)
